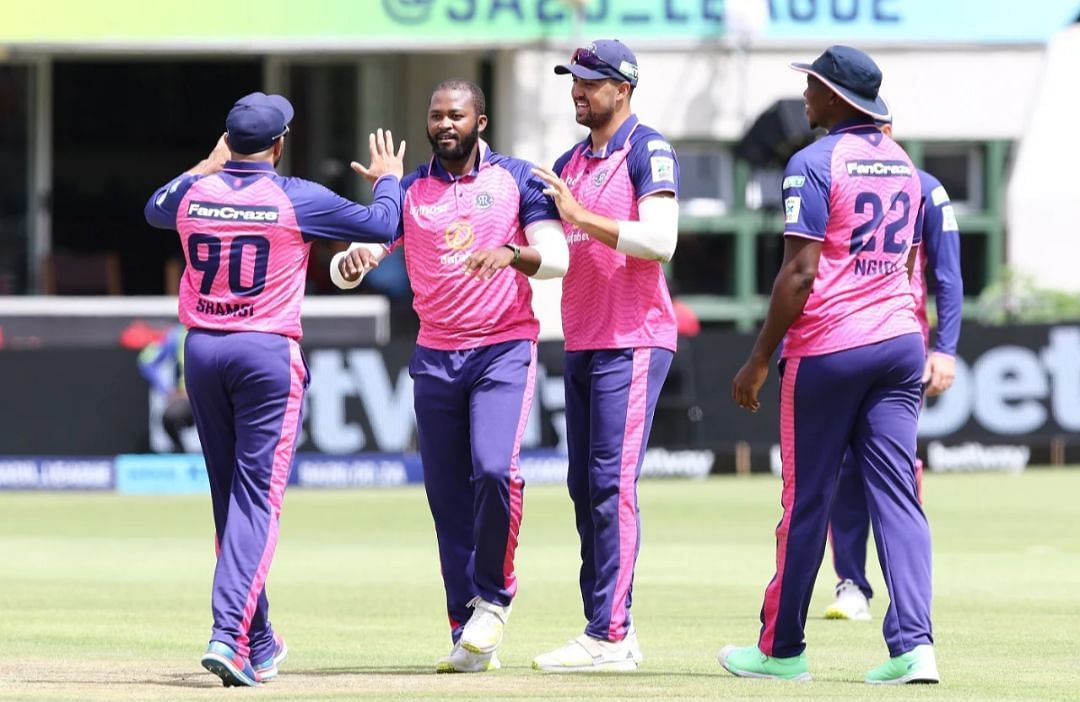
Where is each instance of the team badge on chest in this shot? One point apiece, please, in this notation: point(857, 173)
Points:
point(484, 201)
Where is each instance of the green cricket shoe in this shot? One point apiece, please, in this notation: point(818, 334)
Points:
point(916, 666)
point(750, 662)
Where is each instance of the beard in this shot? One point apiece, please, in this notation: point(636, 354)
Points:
point(464, 146)
point(595, 120)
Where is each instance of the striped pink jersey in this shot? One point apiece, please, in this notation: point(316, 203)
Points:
point(246, 234)
point(611, 300)
point(448, 217)
point(857, 192)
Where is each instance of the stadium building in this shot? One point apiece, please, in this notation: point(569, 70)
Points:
point(99, 102)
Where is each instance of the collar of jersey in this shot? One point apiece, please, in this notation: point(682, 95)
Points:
point(853, 124)
point(435, 167)
point(618, 140)
point(249, 166)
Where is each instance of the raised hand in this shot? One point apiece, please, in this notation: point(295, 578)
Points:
point(384, 160)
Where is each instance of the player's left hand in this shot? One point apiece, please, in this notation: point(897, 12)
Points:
point(748, 382)
point(940, 372)
point(560, 194)
point(485, 263)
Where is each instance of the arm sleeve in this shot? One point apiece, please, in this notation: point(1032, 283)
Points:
point(653, 166)
point(549, 240)
point(323, 214)
point(941, 237)
point(161, 208)
point(806, 194)
point(656, 233)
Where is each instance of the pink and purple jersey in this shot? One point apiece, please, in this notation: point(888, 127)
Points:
point(611, 300)
point(246, 234)
point(445, 218)
point(858, 193)
point(939, 256)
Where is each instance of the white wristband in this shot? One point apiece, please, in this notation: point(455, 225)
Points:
point(378, 250)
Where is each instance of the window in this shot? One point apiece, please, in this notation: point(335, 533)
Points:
point(14, 198)
point(706, 171)
point(704, 264)
point(959, 167)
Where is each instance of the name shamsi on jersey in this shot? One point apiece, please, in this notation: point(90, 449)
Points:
point(224, 309)
point(232, 213)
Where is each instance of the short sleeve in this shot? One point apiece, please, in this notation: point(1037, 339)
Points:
point(534, 205)
point(653, 166)
point(806, 194)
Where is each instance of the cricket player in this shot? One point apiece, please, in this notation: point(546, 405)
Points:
point(476, 226)
point(246, 233)
point(617, 192)
point(851, 370)
point(939, 254)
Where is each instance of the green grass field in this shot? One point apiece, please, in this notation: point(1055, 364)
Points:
point(106, 597)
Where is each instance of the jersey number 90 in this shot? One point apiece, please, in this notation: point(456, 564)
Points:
point(248, 245)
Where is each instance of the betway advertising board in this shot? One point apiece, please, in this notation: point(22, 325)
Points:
point(1016, 401)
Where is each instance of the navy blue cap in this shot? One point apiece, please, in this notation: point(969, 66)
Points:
point(256, 121)
point(852, 75)
point(604, 58)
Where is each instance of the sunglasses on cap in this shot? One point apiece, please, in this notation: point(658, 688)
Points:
point(587, 58)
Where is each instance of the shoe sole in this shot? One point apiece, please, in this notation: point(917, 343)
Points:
point(905, 681)
point(739, 673)
point(449, 668)
point(230, 676)
point(912, 679)
point(608, 667)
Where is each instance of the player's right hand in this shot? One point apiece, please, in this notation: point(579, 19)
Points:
point(355, 263)
point(748, 382)
point(384, 161)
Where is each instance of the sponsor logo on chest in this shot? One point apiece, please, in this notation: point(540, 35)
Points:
point(877, 168)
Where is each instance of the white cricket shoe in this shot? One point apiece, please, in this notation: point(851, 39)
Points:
point(461, 660)
point(586, 654)
point(850, 603)
point(484, 631)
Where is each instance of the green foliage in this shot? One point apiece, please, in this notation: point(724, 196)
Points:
point(1019, 299)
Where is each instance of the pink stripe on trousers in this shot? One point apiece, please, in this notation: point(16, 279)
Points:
point(279, 477)
point(787, 499)
point(636, 408)
point(517, 486)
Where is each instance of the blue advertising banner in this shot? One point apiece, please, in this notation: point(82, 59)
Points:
point(56, 473)
point(169, 473)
